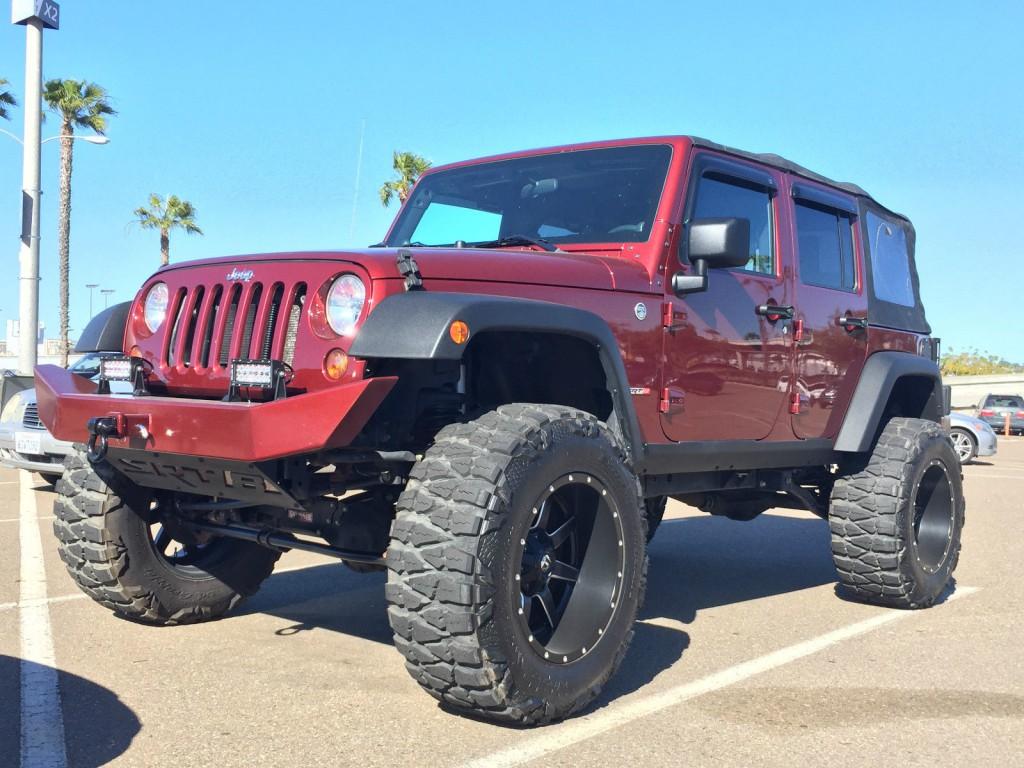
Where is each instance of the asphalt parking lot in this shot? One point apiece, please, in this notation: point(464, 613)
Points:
point(744, 655)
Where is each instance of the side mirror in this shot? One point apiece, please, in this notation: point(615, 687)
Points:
point(721, 243)
point(713, 244)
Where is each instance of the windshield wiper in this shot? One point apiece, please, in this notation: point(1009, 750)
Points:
point(501, 242)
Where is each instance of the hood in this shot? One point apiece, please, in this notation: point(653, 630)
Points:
point(568, 269)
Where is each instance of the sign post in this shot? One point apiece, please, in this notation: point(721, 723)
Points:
point(35, 16)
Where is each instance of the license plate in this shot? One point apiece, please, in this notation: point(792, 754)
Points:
point(26, 442)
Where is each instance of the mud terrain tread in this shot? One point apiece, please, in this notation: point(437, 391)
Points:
point(868, 547)
point(97, 559)
point(440, 604)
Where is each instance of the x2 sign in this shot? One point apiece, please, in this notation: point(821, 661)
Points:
point(45, 11)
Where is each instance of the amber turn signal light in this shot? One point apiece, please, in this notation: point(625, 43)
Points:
point(459, 332)
point(335, 364)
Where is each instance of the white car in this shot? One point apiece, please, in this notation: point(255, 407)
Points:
point(971, 437)
point(25, 442)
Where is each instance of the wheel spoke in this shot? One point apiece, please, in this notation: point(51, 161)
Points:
point(564, 572)
point(560, 534)
point(543, 513)
point(547, 604)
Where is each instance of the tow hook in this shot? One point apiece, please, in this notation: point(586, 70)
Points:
point(100, 428)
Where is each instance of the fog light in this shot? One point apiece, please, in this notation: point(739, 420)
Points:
point(459, 332)
point(122, 368)
point(335, 364)
point(259, 374)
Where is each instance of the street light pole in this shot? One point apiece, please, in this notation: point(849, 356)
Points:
point(91, 286)
point(106, 295)
point(35, 16)
point(28, 253)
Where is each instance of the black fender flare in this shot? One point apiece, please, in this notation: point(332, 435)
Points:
point(105, 331)
point(880, 373)
point(415, 326)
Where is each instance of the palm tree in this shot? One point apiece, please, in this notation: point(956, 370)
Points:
point(409, 166)
point(78, 104)
point(6, 100)
point(174, 213)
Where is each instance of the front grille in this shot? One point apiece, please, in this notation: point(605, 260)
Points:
point(31, 417)
point(211, 325)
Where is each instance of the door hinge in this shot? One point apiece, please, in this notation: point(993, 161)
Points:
point(794, 403)
point(669, 315)
point(670, 398)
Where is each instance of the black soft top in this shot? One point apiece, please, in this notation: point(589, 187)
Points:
point(777, 161)
point(901, 315)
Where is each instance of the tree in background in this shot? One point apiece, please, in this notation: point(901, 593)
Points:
point(165, 215)
point(975, 363)
point(78, 104)
point(6, 100)
point(409, 166)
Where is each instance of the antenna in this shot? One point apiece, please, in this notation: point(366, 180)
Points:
point(355, 194)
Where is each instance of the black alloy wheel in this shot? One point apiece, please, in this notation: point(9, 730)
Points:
point(571, 568)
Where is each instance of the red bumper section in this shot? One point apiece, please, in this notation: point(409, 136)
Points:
point(329, 418)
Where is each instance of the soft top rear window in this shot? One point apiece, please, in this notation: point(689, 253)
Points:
point(606, 195)
point(890, 261)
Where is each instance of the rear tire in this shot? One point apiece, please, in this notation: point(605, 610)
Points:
point(106, 542)
point(654, 508)
point(467, 576)
point(896, 519)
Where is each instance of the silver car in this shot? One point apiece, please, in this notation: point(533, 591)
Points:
point(24, 442)
point(971, 437)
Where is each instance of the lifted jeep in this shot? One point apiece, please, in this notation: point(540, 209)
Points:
point(495, 402)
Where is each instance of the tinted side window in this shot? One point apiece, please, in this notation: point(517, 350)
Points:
point(890, 264)
point(825, 243)
point(723, 199)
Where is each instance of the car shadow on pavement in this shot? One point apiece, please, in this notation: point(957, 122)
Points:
point(98, 726)
point(329, 596)
point(704, 561)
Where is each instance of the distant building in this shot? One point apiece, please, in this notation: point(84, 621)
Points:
point(12, 343)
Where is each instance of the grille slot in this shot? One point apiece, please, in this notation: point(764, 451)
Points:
point(178, 311)
point(229, 325)
point(276, 294)
point(250, 320)
point(211, 321)
point(31, 418)
point(294, 315)
point(192, 322)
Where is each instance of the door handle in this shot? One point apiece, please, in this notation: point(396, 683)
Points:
point(773, 313)
point(852, 324)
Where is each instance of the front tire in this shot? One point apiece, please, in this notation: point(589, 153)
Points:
point(896, 519)
point(124, 558)
point(518, 564)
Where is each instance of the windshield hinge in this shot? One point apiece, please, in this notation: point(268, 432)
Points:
point(410, 270)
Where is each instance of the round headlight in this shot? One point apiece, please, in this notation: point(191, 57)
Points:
point(154, 308)
point(345, 301)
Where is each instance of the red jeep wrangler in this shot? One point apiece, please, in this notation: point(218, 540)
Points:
point(495, 402)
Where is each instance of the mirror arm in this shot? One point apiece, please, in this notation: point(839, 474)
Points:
point(695, 282)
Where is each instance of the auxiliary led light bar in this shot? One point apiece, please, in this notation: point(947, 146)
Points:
point(122, 368)
point(269, 375)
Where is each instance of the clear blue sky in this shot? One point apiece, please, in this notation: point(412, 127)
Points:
point(252, 112)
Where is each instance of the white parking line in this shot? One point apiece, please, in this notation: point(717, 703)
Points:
point(18, 519)
point(559, 737)
point(42, 722)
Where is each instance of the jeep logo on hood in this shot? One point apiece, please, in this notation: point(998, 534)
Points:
point(244, 275)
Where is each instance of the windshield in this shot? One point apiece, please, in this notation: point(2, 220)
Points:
point(586, 196)
point(89, 365)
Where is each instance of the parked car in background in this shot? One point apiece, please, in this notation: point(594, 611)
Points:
point(972, 437)
point(25, 443)
point(995, 408)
